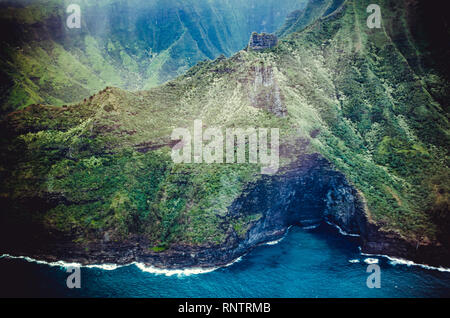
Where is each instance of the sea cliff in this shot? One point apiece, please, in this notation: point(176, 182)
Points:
point(305, 194)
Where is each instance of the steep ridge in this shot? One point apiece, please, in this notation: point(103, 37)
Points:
point(364, 144)
point(314, 10)
point(129, 44)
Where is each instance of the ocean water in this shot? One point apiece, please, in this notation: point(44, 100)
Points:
point(306, 263)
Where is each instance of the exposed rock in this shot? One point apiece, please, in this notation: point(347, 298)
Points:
point(264, 91)
point(262, 41)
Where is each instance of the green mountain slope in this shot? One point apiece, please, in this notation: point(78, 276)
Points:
point(130, 44)
point(349, 93)
point(315, 9)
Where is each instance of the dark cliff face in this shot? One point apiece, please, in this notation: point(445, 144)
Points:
point(306, 194)
point(297, 196)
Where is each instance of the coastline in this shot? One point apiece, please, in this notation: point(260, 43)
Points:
point(324, 194)
point(188, 271)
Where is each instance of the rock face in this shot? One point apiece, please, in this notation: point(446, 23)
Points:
point(265, 92)
point(262, 41)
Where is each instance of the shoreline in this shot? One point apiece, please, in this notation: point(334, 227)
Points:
point(394, 261)
point(183, 272)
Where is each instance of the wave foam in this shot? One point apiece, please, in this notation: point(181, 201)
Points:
point(311, 227)
point(341, 231)
point(237, 260)
point(107, 267)
point(371, 261)
point(280, 239)
point(51, 264)
point(275, 242)
point(399, 261)
point(112, 267)
point(173, 272)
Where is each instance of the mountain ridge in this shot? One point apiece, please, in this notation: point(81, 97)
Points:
point(128, 44)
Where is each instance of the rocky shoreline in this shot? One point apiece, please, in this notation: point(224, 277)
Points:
point(305, 195)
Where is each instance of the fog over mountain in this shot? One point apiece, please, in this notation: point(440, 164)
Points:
point(132, 44)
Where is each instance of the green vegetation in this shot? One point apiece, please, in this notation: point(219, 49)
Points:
point(378, 122)
point(352, 93)
point(314, 10)
point(130, 44)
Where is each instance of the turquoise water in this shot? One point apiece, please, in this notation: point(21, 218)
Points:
point(306, 263)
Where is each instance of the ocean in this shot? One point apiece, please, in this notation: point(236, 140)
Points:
point(312, 263)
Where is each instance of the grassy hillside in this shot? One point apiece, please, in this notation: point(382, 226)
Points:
point(350, 93)
point(130, 44)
